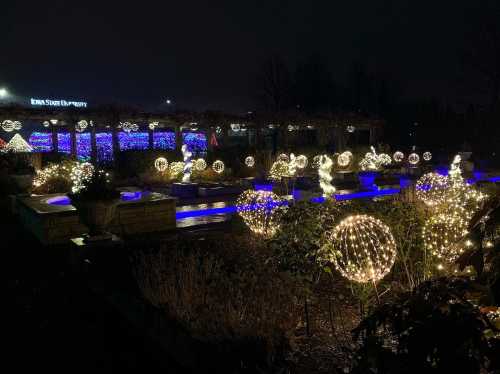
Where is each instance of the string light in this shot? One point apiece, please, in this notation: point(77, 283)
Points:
point(200, 164)
point(325, 177)
point(10, 126)
point(250, 161)
point(361, 248)
point(350, 128)
point(413, 159)
point(235, 127)
point(279, 170)
point(153, 125)
point(315, 162)
point(18, 145)
point(218, 166)
point(80, 174)
point(427, 156)
point(161, 164)
point(301, 161)
point(432, 189)
point(373, 161)
point(283, 157)
point(81, 126)
point(398, 156)
point(188, 164)
point(128, 126)
point(344, 159)
point(261, 211)
point(175, 168)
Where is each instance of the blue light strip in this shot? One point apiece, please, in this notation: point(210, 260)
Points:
point(320, 199)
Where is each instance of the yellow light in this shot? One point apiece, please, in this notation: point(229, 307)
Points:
point(161, 164)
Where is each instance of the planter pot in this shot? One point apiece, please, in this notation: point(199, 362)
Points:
point(367, 180)
point(23, 182)
point(96, 215)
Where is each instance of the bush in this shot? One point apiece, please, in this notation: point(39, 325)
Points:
point(220, 290)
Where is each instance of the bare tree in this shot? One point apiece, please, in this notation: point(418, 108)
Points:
point(273, 84)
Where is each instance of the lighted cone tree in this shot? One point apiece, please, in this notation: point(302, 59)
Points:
point(18, 145)
point(361, 248)
point(261, 211)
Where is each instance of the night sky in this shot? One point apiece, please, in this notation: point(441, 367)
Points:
point(205, 54)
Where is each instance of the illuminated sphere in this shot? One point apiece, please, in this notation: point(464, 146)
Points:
point(17, 125)
point(362, 248)
point(413, 159)
point(316, 161)
point(176, 168)
point(46, 124)
point(432, 189)
point(344, 159)
point(261, 211)
point(398, 156)
point(279, 169)
point(283, 157)
point(441, 233)
point(427, 156)
point(235, 127)
point(301, 161)
point(81, 126)
point(385, 159)
point(249, 161)
point(200, 164)
point(161, 164)
point(218, 166)
point(350, 128)
point(8, 125)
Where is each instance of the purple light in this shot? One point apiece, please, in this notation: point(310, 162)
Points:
point(164, 140)
point(104, 144)
point(197, 142)
point(64, 142)
point(133, 140)
point(83, 146)
point(41, 141)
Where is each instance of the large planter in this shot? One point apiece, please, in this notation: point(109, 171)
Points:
point(23, 182)
point(96, 215)
point(367, 180)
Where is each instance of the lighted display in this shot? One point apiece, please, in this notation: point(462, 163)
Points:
point(133, 140)
point(164, 140)
point(83, 146)
point(40, 141)
point(64, 142)
point(197, 142)
point(104, 144)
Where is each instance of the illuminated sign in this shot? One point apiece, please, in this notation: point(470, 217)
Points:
point(58, 103)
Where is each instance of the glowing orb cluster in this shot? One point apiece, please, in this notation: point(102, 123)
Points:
point(176, 168)
point(261, 211)
point(199, 164)
point(81, 126)
point(344, 159)
point(432, 189)
point(128, 126)
point(413, 159)
point(250, 161)
point(161, 164)
point(427, 156)
point(373, 161)
point(301, 161)
point(441, 232)
point(325, 177)
point(362, 248)
point(218, 166)
point(10, 126)
point(398, 156)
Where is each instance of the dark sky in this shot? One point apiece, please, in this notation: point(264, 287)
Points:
point(205, 54)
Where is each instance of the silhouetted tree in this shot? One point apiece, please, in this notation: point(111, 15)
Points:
point(273, 84)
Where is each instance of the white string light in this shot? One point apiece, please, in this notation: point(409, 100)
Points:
point(325, 177)
point(161, 164)
point(188, 164)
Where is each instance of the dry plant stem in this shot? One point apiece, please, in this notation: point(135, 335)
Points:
point(376, 292)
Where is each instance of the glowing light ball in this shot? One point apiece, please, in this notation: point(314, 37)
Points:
point(283, 157)
point(81, 126)
point(413, 159)
point(10, 126)
point(398, 156)
point(250, 161)
point(176, 168)
point(301, 161)
point(362, 248)
point(441, 232)
point(261, 211)
point(235, 127)
point(161, 164)
point(350, 128)
point(153, 125)
point(344, 159)
point(427, 156)
point(432, 189)
point(200, 164)
point(218, 166)
point(128, 126)
point(46, 124)
point(315, 162)
point(279, 169)
point(373, 161)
